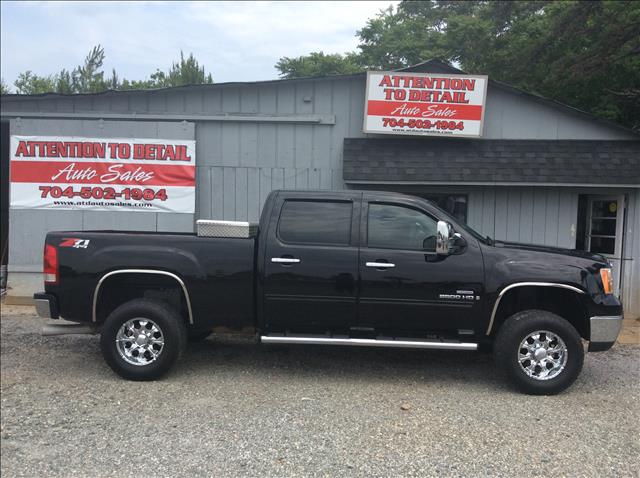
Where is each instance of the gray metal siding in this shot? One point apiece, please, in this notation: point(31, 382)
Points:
point(239, 164)
point(513, 116)
point(631, 262)
point(540, 215)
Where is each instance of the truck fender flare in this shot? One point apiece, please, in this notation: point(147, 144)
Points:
point(141, 271)
point(526, 284)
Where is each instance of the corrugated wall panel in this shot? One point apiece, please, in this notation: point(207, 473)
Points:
point(531, 215)
point(303, 146)
point(229, 198)
point(631, 264)
point(203, 193)
point(500, 214)
point(119, 103)
point(242, 194)
point(513, 214)
point(539, 215)
point(216, 193)
point(253, 194)
point(194, 101)
point(304, 92)
point(551, 217)
point(567, 216)
point(137, 103)
point(27, 232)
point(488, 212)
point(267, 146)
point(526, 215)
point(212, 101)
point(230, 144)
point(356, 108)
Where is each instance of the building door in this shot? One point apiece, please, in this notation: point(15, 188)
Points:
point(604, 231)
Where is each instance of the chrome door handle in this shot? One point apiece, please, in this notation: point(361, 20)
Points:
point(380, 265)
point(285, 260)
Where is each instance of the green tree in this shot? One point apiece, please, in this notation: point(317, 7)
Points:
point(30, 84)
point(318, 64)
point(583, 53)
point(4, 88)
point(90, 78)
point(64, 83)
point(184, 72)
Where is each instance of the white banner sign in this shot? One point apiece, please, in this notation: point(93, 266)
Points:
point(114, 174)
point(424, 104)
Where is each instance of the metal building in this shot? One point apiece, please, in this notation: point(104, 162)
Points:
point(542, 172)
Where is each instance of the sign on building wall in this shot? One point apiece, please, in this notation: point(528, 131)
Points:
point(424, 104)
point(101, 174)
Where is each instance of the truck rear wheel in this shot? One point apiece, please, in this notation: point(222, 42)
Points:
point(541, 352)
point(142, 339)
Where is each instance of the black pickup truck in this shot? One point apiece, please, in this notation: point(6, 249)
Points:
point(345, 268)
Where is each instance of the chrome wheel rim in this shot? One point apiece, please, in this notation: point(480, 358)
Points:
point(542, 355)
point(140, 341)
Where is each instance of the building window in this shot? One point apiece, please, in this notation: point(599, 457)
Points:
point(454, 204)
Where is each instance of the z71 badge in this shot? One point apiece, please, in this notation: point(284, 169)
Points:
point(75, 242)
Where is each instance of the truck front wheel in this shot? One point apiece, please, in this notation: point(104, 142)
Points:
point(142, 339)
point(541, 352)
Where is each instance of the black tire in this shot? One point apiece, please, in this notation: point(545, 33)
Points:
point(173, 332)
point(516, 329)
point(198, 335)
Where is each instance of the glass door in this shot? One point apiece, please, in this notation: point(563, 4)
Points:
point(604, 231)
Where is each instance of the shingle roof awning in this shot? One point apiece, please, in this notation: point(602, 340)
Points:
point(444, 160)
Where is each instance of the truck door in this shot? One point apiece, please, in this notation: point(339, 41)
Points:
point(311, 263)
point(408, 289)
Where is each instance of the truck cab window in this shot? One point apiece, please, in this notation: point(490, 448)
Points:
point(315, 222)
point(399, 227)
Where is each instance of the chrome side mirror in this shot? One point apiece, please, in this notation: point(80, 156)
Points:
point(443, 237)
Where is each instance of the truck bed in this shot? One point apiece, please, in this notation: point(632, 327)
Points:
point(217, 272)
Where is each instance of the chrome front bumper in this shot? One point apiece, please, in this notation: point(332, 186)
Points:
point(604, 330)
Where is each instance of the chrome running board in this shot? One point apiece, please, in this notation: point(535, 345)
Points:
point(58, 329)
point(412, 344)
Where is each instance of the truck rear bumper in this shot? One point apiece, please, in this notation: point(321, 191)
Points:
point(604, 332)
point(46, 305)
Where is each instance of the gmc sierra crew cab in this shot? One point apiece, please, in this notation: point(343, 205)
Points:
point(349, 267)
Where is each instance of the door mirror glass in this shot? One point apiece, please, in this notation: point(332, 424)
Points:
point(444, 237)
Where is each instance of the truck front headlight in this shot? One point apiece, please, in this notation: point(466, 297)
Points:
point(607, 280)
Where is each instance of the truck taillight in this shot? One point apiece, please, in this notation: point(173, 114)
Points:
point(50, 264)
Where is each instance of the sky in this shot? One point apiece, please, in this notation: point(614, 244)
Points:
point(236, 41)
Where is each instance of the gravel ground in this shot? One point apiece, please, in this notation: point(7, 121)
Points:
point(231, 408)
